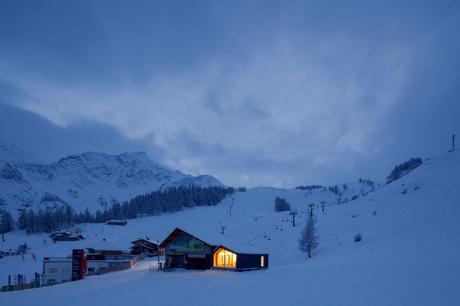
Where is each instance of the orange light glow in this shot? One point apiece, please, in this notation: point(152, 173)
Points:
point(224, 259)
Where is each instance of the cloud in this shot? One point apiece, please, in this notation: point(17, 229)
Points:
point(311, 94)
point(47, 142)
point(281, 106)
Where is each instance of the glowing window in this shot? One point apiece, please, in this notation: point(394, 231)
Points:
point(262, 261)
point(224, 259)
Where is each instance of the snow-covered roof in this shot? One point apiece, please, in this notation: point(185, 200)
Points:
point(215, 239)
point(55, 259)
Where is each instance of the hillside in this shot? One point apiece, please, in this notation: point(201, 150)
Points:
point(408, 254)
point(89, 180)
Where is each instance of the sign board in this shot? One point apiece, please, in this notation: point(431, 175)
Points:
point(78, 264)
point(186, 244)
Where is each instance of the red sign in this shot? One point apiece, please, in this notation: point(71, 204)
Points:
point(78, 264)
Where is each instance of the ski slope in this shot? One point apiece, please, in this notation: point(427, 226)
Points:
point(408, 254)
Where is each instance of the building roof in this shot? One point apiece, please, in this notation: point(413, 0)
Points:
point(57, 259)
point(177, 232)
point(214, 239)
point(124, 259)
point(116, 220)
point(236, 252)
point(143, 241)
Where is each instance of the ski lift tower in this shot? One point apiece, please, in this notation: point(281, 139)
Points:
point(293, 214)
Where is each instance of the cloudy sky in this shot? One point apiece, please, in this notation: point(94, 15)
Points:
point(252, 92)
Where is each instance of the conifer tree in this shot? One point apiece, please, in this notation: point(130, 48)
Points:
point(6, 223)
point(308, 240)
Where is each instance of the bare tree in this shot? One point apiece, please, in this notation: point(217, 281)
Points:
point(308, 240)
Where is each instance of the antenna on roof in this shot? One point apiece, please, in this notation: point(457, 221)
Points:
point(453, 142)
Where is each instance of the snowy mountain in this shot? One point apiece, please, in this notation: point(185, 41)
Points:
point(408, 254)
point(93, 180)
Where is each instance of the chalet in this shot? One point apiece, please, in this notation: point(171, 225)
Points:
point(66, 235)
point(143, 246)
point(183, 250)
point(116, 222)
point(225, 258)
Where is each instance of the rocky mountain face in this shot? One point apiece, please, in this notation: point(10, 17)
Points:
point(89, 180)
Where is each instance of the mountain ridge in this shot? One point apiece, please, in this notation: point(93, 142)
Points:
point(87, 180)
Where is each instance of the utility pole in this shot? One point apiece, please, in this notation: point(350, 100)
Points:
point(158, 257)
point(311, 209)
point(293, 214)
point(231, 206)
point(453, 142)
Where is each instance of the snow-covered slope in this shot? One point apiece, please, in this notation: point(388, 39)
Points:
point(93, 180)
point(408, 254)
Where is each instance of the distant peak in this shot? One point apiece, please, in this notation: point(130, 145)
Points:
point(86, 156)
point(90, 155)
point(137, 154)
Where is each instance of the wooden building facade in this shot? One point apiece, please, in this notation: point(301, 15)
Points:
point(183, 250)
point(143, 246)
point(225, 258)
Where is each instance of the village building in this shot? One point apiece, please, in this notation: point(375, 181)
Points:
point(116, 222)
point(65, 235)
point(183, 250)
point(104, 261)
point(225, 258)
point(144, 247)
point(57, 270)
point(94, 262)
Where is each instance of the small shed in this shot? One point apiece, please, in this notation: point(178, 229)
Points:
point(225, 258)
point(116, 222)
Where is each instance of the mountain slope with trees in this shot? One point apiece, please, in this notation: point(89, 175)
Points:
point(93, 181)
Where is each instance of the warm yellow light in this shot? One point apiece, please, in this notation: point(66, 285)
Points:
point(224, 259)
point(262, 262)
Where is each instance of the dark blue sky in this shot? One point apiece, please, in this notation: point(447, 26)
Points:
point(253, 92)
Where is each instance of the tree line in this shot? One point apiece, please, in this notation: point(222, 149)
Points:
point(404, 168)
point(6, 222)
point(150, 204)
